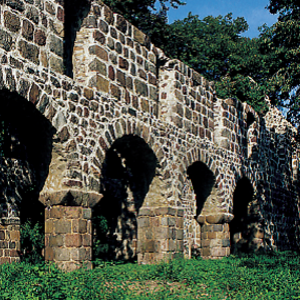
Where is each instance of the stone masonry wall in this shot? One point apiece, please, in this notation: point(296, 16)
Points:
point(123, 86)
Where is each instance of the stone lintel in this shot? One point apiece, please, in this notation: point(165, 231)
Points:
point(219, 218)
point(71, 198)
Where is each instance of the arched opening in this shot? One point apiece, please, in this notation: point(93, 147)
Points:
point(127, 173)
point(75, 12)
point(25, 147)
point(241, 227)
point(250, 119)
point(251, 146)
point(203, 180)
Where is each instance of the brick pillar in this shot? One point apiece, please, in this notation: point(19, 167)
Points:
point(68, 236)
point(215, 235)
point(160, 234)
point(9, 240)
point(215, 240)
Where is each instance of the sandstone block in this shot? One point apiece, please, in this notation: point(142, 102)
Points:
point(5, 40)
point(121, 24)
point(12, 21)
point(62, 226)
point(98, 66)
point(56, 45)
point(121, 78)
point(29, 51)
point(27, 30)
point(56, 212)
point(56, 241)
point(100, 83)
point(61, 254)
point(99, 52)
point(33, 14)
point(79, 226)
point(141, 88)
point(73, 240)
point(40, 37)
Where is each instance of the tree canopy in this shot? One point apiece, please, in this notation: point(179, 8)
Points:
point(283, 40)
point(215, 48)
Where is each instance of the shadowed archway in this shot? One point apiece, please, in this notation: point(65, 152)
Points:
point(25, 154)
point(203, 181)
point(127, 172)
point(241, 229)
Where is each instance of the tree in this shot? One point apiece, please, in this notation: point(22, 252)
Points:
point(214, 47)
point(150, 16)
point(283, 39)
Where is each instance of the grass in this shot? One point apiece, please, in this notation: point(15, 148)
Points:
point(275, 276)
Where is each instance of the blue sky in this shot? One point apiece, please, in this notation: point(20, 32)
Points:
point(252, 10)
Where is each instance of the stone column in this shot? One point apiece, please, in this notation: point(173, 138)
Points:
point(9, 240)
point(68, 236)
point(68, 227)
point(160, 234)
point(215, 235)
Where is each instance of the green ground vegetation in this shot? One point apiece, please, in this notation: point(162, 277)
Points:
point(272, 276)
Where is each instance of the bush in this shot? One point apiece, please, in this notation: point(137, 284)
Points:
point(32, 242)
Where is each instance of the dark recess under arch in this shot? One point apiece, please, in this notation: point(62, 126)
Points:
point(127, 172)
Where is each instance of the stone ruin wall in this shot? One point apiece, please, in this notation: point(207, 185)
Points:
point(123, 86)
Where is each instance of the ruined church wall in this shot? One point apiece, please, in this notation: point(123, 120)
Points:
point(123, 85)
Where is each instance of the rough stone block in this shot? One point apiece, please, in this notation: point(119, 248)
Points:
point(62, 226)
point(79, 226)
point(98, 66)
point(87, 240)
point(12, 21)
point(143, 222)
point(99, 52)
point(86, 213)
point(61, 254)
point(29, 51)
point(72, 212)
point(27, 30)
point(73, 240)
point(5, 40)
point(56, 241)
point(49, 226)
point(40, 37)
point(56, 212)
point(100, 83)
point(49, 254)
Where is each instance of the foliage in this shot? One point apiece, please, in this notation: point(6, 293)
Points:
point(32, 242)
point(150, 16)
point(214, 47)
point(282, 39)
point(273, 276)
point(100, 227)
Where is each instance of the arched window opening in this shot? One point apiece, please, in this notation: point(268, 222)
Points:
point(241, 227)
point(75, 13)
point(127, 173)
point(250, 119)
point(203, 181)
point(251, 138)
